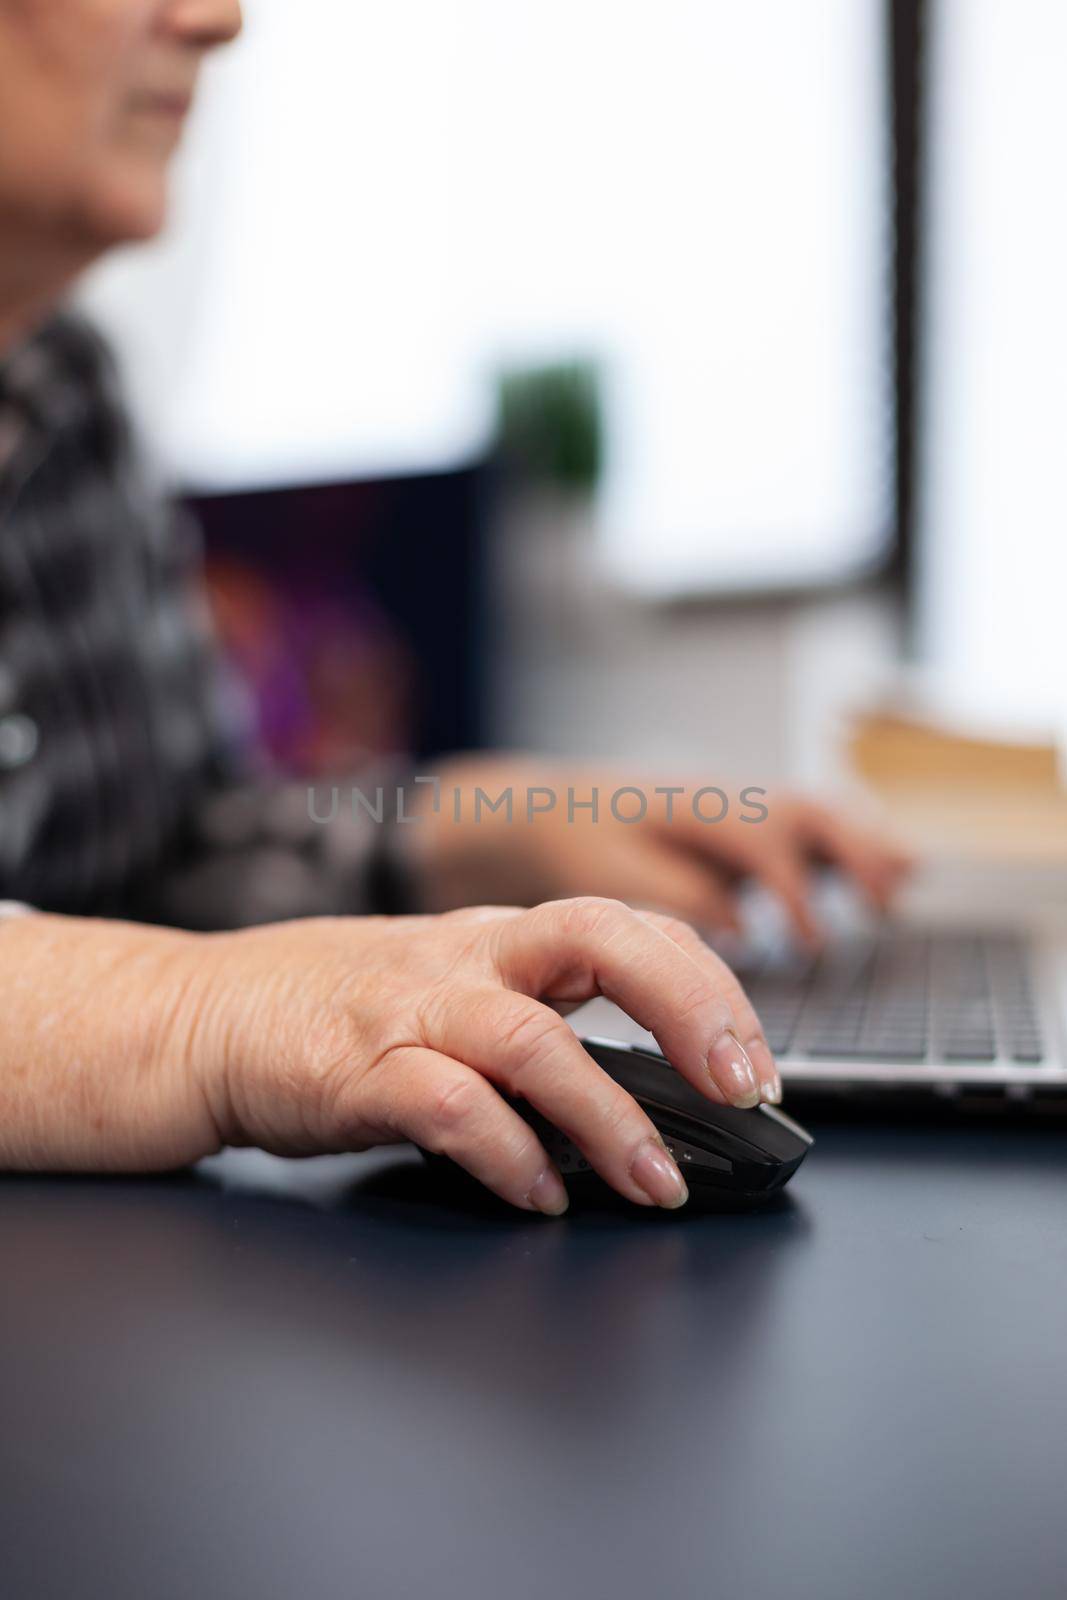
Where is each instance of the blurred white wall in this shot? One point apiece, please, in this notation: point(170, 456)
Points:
point(757, 691)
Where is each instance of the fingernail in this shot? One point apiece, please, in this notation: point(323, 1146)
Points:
point(548, 1194)
point(733, 1071)
point(655, 1172)
point(770, 1082)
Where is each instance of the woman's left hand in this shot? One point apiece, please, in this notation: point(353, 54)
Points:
point(677, 853)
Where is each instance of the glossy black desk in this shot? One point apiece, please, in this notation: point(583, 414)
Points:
point(316, 1381)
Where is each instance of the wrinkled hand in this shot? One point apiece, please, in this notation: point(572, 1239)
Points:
point(671, 860)
point(338, 1034)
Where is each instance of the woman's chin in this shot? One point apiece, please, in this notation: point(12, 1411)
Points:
point(126, 209)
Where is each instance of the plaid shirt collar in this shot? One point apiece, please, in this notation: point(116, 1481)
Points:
point(42, 392)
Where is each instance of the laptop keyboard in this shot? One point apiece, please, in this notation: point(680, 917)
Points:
point(903, 997)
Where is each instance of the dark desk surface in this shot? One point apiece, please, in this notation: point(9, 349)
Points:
point(315, 1381)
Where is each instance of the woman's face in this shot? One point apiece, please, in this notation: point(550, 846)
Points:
point(93, 96)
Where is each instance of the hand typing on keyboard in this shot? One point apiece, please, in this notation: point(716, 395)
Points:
point(664, 850)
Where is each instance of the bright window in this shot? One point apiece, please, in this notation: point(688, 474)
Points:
point(994, 522)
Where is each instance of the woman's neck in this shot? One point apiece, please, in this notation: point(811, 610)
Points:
point(34, 277)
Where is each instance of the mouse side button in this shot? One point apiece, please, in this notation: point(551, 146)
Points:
point(690, 1156)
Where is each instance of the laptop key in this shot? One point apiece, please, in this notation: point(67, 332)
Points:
point(872, 1045)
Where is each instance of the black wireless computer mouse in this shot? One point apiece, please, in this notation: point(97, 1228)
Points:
point(731, 1159)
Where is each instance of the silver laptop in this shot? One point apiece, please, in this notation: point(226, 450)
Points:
point(967, 1009)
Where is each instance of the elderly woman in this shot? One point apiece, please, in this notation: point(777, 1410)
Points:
point(150, 1016)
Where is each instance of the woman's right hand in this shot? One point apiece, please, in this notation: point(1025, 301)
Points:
point(339, 1034)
